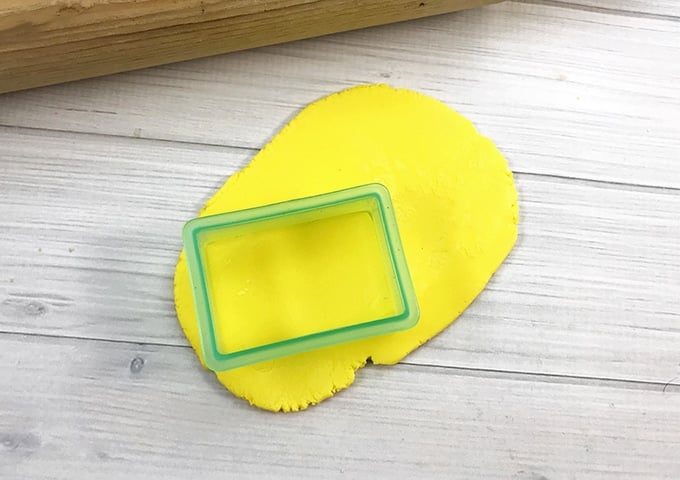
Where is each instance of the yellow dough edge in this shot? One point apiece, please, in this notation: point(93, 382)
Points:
point(455, 202)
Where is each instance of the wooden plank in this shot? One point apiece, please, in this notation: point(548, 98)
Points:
point(44, 42)
point(81, 406)
point(91, 232)
point(559, 96)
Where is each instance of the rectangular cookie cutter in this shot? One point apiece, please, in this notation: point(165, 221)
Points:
point(304, 274)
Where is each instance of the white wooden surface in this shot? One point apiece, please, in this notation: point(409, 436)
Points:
point(567, 366)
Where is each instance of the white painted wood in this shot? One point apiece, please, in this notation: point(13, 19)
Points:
point(566, 367)
point(587, 94)
point(636, 8)
point(91, 232)
point(75, 408)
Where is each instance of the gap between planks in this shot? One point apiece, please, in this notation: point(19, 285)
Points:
point(163, 417)
point(594, 7)
point(671, 386)
point(630, 186)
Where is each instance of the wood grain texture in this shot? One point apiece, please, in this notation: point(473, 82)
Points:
point(566, 367)
point(44, 42)
point(636, 8)
point(607, 107)
point(591, 288)
point(149, 411)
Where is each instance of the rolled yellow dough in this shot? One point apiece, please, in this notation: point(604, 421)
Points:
point(455, 202)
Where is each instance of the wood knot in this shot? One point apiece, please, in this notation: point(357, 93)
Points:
point(35, 309)
point(20, 443)
point(136, 364)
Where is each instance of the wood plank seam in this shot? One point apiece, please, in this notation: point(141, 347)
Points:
point(671, 386)
point(596, 181)
point(600, 9)
point(254, 151)
point(668, 386)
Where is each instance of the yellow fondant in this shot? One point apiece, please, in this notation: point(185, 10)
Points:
point(295, 280)
point(456, 207)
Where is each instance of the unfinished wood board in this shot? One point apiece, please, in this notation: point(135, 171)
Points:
point(149, 411)
point(561, 91)
point(590, 289)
